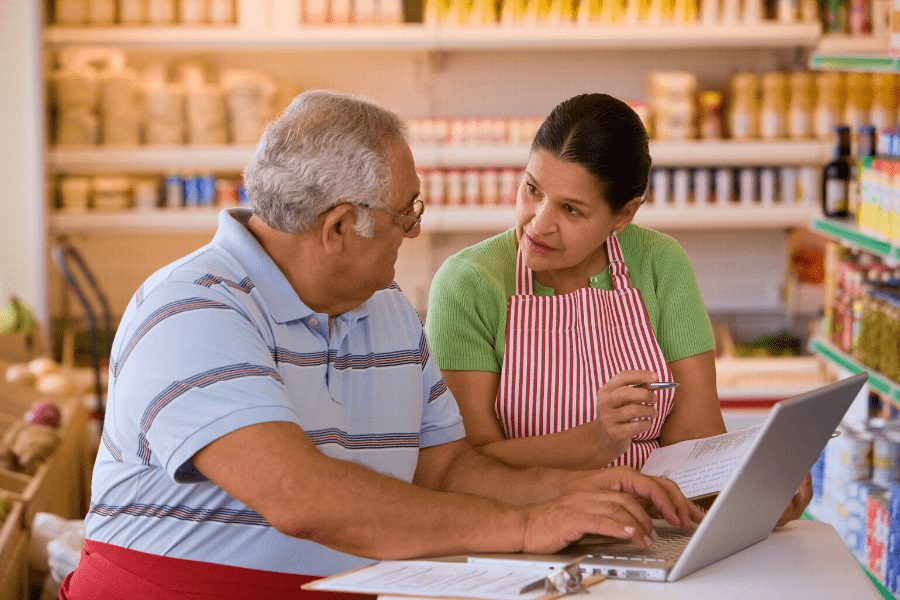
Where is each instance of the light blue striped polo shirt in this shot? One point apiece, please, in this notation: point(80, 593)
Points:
point(219, 340)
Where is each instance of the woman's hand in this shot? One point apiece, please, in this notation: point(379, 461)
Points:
point(798, 503)
point(656, 494)
point(623, 412)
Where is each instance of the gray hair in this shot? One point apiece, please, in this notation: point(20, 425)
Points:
point(326, 149)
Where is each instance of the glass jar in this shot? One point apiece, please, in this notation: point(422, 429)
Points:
point(829, 96)
point(742, 116)
point(709, 115)
point(800, 106)
point(774, 105)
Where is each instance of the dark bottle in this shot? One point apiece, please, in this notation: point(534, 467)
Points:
point(837, 176)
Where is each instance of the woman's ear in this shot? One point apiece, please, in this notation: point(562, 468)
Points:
point(626, 215)
point(337, 224)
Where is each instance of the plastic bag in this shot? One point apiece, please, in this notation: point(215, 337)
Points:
point(65, 551)
point(56, 544)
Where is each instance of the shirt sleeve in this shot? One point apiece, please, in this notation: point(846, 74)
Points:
point(441, 421)
point(220, 376)
point(684, 325)
point(463, 317)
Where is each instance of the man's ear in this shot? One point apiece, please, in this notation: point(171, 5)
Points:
point(626, 215)
point(336, 225)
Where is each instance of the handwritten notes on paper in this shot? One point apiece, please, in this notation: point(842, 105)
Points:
point(701, 467)
point(438, 579)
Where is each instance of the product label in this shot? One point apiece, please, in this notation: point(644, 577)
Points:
point(836, 195)
point(800, 123)
point(740, 126)
point(824, 122)
point(770, 127)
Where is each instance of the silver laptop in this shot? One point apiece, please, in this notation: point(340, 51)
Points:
point(746, 510)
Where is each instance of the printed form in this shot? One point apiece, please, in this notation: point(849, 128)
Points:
point(701, 467)
point(440, 579)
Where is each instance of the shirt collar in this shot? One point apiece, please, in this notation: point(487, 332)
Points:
point(281, 300)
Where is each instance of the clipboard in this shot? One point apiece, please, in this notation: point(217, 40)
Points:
point(538, 584)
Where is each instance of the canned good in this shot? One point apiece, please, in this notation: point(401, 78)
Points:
point(192, 191)
point(509, 185)
point(436, 193)
point(206, 190)
point(174, 191)
point(854, 452)
point(885, 457)
point(472, 187)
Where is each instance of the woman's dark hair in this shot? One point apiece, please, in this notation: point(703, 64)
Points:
point(606, 137)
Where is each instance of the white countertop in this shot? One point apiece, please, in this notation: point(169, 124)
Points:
point(805, 560)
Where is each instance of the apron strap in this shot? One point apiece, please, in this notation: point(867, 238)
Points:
point(618, 272)
point(523, 277)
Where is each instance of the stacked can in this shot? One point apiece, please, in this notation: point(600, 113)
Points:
point(877, 525)
point(855, 509)
point(892, 566)
point(848, 458)
point(470, 187)
point(885, 457)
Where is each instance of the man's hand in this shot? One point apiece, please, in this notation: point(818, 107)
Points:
point(623, 412)
point(656, 493)
point(553, 525)
point(798, 503)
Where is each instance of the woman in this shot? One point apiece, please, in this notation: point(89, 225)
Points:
point(542, 332)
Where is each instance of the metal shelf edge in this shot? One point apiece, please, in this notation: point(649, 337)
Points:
point(877, 381)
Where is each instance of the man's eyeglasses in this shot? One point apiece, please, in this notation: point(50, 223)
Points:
point(412, 217)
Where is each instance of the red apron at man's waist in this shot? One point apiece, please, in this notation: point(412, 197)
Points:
point(109, 572)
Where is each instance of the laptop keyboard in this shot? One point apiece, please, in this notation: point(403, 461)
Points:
point(668, 547)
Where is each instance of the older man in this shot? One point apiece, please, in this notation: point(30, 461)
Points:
point(274, 414)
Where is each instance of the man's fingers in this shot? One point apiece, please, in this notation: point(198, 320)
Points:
point(667, 497)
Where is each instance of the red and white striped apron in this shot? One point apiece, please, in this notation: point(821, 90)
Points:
point(561, 349)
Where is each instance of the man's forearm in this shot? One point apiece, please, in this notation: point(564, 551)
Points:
point(274, 469)
point(475, 473)
point(372, 515)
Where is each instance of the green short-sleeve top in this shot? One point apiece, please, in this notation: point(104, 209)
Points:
point(467, 308)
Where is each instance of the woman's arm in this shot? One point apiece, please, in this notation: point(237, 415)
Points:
point(582, 447)
point(695, 413)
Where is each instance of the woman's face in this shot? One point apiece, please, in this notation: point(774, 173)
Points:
point(562, 217)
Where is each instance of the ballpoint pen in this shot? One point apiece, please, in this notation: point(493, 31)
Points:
point(660, 385)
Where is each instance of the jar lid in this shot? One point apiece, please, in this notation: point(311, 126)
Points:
point(710, 99)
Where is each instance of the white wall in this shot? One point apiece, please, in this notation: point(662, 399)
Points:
point(22, 205)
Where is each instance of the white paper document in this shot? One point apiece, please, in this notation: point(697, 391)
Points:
point(701, 467)
point(441, 579)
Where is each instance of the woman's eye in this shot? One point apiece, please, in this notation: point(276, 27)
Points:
point(571, 210)
point(531, 189)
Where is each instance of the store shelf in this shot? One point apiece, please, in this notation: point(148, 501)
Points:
point(888, 389)
point(741, 153)
point(875, 63)
point(842, 44)
point(416, 36)
point(147, 159)
point(848, 232)
point(225, 38)
point(159, 159)
point(443, 219)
